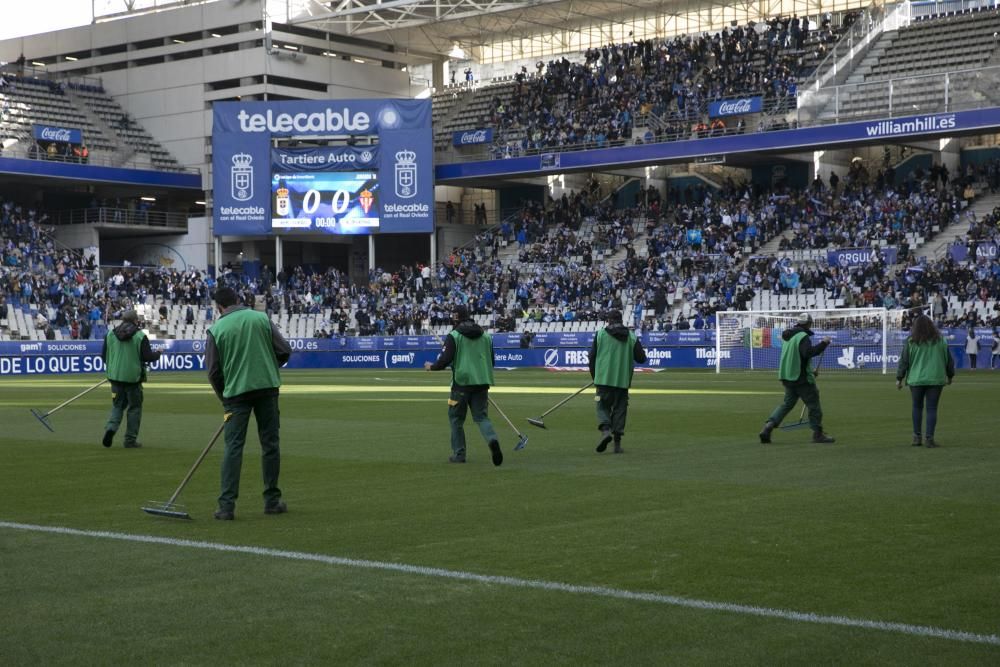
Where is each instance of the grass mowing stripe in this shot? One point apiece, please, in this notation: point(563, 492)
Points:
point(600, 591)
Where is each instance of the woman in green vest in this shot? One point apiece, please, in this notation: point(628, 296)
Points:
point(926, 366)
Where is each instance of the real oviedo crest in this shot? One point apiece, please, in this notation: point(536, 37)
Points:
point(241, 176)
point(406, 174)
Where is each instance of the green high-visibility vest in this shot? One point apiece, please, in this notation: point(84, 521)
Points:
point(615, 358)
point(124, 357)
point(473, 362)
point(928, 363)
point(791, 361)
point(243, 340)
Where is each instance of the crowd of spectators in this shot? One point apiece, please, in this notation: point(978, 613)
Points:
point(859, 211)
point(596, 101)
point(33, 270)
point(552, 263)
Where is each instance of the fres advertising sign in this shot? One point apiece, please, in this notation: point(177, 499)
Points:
point(256, 190)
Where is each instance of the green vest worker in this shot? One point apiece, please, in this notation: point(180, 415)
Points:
point(126, 351)
point(469, 351)
point(798, 378)
point(926, 365)
point(243, 353)
point(613, 356)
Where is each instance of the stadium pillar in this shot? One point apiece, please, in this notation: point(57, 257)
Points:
point(434, 248)
point(218, 255)
point(371, 252)
point(279, 259)
point(437, 75)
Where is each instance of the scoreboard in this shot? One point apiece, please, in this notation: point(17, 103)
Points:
point(345, 202)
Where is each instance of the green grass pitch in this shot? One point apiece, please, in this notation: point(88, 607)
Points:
point(696, 512)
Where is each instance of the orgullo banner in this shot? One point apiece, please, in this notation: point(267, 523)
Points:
point(69, 135)
point(849, 258)
point(473, 137)
point(738, 107)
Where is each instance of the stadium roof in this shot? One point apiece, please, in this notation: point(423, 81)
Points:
point(438, 25)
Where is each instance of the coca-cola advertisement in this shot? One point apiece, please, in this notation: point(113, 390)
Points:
point(738, 107)
point(473, 137)
point(68, 135)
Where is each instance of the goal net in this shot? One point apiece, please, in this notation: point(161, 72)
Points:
point(866, 339)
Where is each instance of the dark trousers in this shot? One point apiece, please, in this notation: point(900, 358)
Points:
point(809, 393)
point(265, 410)
point(973, 358)
point(461, 401)
point(126, 396)
point(925, 396)
point(612, 409)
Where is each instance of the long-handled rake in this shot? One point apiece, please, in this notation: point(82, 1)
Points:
point(540, 421)
point(44, 417)
point(799, 424)
point(170, 508)
point(522, 439)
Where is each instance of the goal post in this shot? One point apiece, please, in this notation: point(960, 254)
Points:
point(867, 339)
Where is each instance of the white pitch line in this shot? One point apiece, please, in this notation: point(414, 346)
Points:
point(537, 584)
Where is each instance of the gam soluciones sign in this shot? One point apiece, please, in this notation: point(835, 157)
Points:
point(390, 188)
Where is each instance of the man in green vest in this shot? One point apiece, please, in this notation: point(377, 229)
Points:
point(243, 353)
point(798, 378)
point(613, 356)
point(125, 353)
point(469, 351)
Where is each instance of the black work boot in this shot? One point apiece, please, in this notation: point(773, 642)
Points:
point(821, 438)
point(765, 433)
point(602, 444)
point(457, 457)
point(929, 443)
point(495, 454)
point(276, 508)
point(109, 436)
point(618, 445)
point(917, 442)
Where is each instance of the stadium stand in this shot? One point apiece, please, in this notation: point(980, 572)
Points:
point(109, 136)
point(557, 266)
point(129, 133)
point(660, 86)
point(912, 56)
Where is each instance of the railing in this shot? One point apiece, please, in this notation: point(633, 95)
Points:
point(503, 152)
point(868, 24)
point(938, 7)
point(941, 92)
point(23, 149)
point(120, 216)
